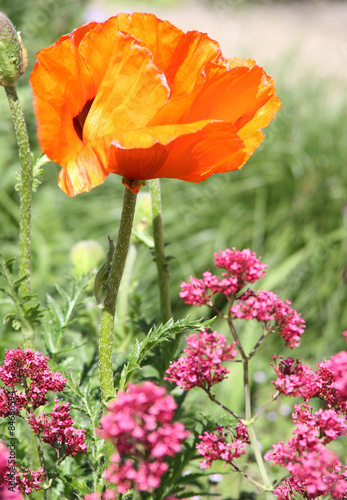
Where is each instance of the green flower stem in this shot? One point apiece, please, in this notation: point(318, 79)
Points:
point(109, 310)
point(160, 258)
point(25, 198)
point(112, 287)
point(248, 422)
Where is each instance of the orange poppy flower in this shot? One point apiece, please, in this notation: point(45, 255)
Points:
point(136, 96)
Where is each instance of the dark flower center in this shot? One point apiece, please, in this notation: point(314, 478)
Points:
point(78, 121)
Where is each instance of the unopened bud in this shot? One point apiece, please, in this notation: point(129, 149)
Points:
point(13, 56)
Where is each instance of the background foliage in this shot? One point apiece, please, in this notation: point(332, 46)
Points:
point(288, 204)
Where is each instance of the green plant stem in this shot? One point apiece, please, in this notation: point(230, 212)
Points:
point(159, 248)
point(248, 414)
point(109, 310)
point(25, 197)
point(112, 287)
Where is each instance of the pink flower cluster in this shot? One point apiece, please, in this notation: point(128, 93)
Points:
point(215, 445)
point(5, 493)
point(30, 370)
point(139, 423)
point(202, 365)
point(326, 382)
point(57, 429)
point(278, 316)
point(338, 365)
point(23, 480)
point(315, 470)
point(241, 267)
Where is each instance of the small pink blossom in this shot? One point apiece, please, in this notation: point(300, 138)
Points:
point(57, 429)
point(139, 423)
point(278, 316)
point(214, 445)
point(202, 365)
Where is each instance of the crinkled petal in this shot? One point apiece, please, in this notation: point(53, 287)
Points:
point(191, 152)
point(130, 93)
point(61, 85)
point(82, 173)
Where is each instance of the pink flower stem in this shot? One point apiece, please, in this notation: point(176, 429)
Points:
point(274, 397)
point(248, 422)
point(214, 400)
point(257, 345)
point(260, 486)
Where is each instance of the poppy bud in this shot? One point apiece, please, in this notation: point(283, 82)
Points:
point(13, 56)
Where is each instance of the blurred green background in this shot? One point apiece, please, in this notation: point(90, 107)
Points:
point(288, 204)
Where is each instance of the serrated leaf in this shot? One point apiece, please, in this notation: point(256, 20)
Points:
point(56, 309)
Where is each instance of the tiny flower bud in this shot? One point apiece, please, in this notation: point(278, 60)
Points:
point(13, 56)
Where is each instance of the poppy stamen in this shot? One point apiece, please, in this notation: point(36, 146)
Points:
point(78, 121)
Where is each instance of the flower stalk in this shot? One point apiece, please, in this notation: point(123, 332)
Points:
point(26, 175)
point(159, 249)
point(112, 286)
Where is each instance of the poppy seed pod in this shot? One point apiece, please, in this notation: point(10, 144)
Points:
point(13, 56)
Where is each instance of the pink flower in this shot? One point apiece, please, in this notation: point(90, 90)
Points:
point(139, 423)
point(216, 447)
point(107, 495)
point(241, 267)
point(314, 469)
point(293, 377)
point(338, 366)
point(5, 480)
point(202, 365)
point(57, 429)
point(278, 316)
point(30, 370)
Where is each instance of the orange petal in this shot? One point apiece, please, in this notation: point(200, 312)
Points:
point(82, 174)
point(191, 152)
point(186, 69)
point(57, 69)
point(130, 93)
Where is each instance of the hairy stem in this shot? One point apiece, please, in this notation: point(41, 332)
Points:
point(108, 312)
point(159, 248)
point(112, 287)
point(26, 174)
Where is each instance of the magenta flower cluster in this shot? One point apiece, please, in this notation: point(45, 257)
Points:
point(29, 369)
point(315, 470)
point(139, 423)
point(5, 493)
point(327, 382)
point(277, 315)
point(202, 366)
point(222, 444)
point(241, 267)
point(57, 429)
